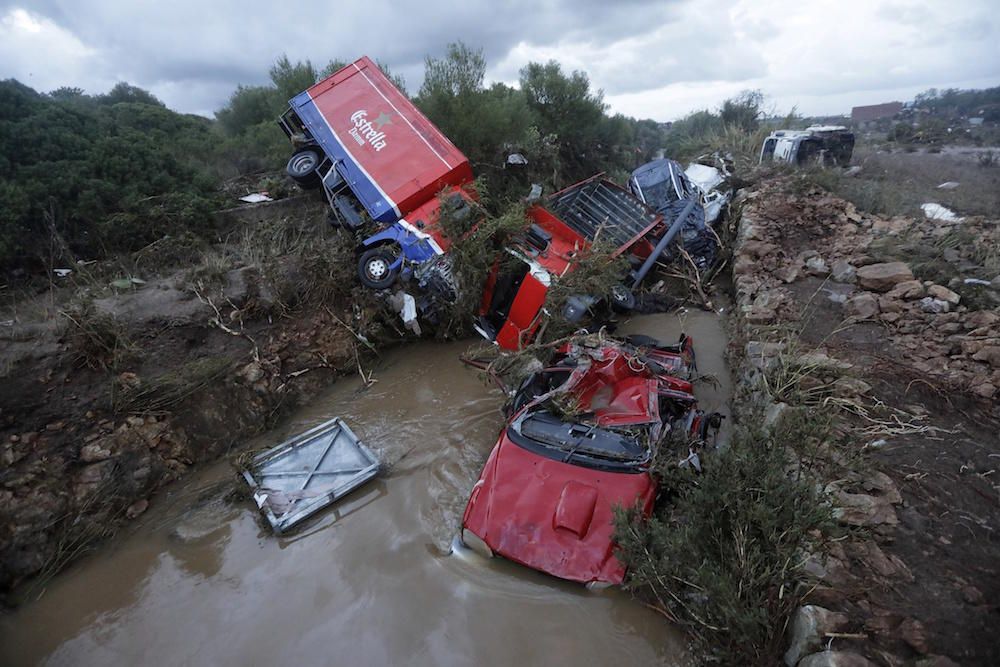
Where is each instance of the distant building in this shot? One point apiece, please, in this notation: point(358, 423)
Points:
point(874, 112)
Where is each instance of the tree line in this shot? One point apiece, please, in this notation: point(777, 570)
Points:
point(94, 175)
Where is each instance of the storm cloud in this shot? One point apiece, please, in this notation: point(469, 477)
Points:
point(657, 59)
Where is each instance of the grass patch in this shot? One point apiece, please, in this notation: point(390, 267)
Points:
point(162, 393)
point(95, 339)
point(721, 556)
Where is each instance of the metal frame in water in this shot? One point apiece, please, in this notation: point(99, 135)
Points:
point(308, 472)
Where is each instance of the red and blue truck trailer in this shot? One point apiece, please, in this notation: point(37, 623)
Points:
point(375, 155)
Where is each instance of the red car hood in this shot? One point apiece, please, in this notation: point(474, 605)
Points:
point(552, 516)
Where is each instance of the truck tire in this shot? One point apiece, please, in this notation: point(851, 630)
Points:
point(622, 299)
point(303, 168)
point(374, 268)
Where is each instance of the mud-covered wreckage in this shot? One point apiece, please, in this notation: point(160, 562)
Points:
point(377, 158)
point(596, 415)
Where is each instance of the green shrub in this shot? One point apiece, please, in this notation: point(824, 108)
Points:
point(721, 554)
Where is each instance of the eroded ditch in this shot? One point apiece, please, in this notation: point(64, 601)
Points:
point(374, 581)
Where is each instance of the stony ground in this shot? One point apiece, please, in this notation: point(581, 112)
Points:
point(892, 327)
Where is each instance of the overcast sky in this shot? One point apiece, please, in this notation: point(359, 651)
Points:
point(656, 60)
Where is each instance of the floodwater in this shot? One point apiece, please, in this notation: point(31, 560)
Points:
point(373, 581)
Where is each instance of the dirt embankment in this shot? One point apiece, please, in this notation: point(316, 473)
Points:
point(107, 397)
point(873, 323)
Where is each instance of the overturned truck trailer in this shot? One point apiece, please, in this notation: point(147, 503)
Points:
point(375, 155)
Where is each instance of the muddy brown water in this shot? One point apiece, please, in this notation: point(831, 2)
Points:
point(373, 581)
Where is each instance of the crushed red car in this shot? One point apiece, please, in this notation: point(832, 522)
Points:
point(579, 441)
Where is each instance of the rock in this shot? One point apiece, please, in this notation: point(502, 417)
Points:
point(835, 659)
point(972, 595)
point(760, 315)
point(931, 305)
point(995, 283)
point(989, 354)
point(860, 509)
point(876, 480)
point(878, 561)
point(815, 266)
point(888, 304)
point(809, 626)
point(848, 387)
point(981, 318)
point(943, 294)
point(93, 453)
point(790, 274)
point(95, 473)
point(864, 306)
point(773, 415)
point(985, 390)
point(914, 633)
point(129, 380)
point(843, 272)
point(136, 508)
point(883, 277)
point(821, 359)
point(251, 372)
point(758, 249)
point(907, 290)
point(743, 265)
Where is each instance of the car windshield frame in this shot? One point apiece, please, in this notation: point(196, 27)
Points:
point(578, 443)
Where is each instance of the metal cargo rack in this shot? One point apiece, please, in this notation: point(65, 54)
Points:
point(308, 472)
point(599, 204)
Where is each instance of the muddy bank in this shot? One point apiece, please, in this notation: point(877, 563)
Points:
point(875, 324)
point(372, 582)
point(110, 394)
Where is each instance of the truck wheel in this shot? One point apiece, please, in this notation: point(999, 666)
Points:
point(622, 299)
point(303, 168)
point(374, 268)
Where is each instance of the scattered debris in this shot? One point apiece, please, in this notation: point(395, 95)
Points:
point(256, 198)
point(937, 212)
point(948, 185)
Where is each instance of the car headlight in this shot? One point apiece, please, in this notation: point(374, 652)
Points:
point(476, 543)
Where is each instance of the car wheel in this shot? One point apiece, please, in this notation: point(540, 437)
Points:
point(375, 268)
point(303, 168)
point(622, 299)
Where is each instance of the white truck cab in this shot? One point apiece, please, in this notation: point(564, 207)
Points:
point(819, 144)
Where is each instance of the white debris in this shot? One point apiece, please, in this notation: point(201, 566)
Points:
point(705, 177)
point(976, 281)
point(948, 185)
point(937, 212)
point(256, 198)
point(516, 159)
point(62, 273)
